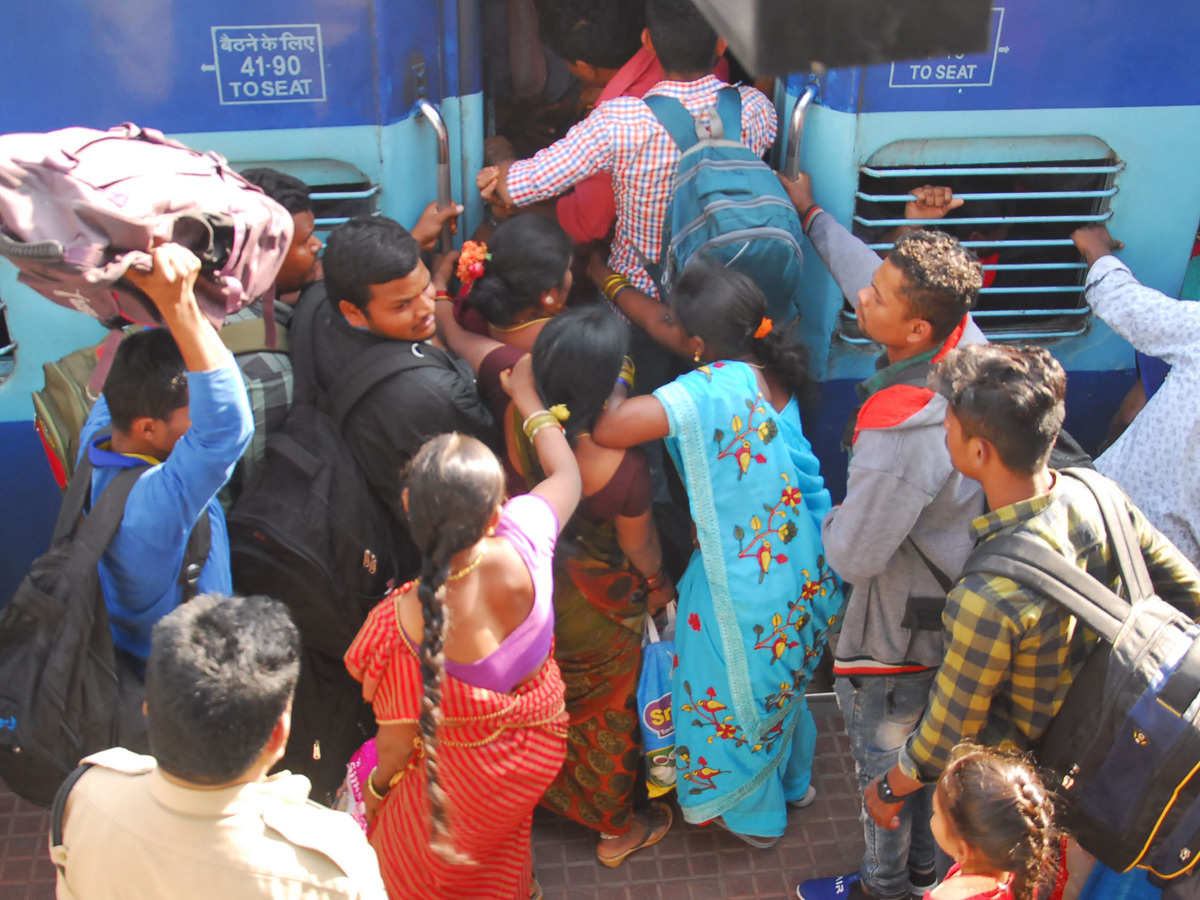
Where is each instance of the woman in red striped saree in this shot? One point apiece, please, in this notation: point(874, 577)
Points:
point(459, 669)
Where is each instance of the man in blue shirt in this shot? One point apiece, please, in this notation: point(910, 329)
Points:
point(175, 400)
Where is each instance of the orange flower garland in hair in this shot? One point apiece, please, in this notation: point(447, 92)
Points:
point(470, 262)
point(764, 328)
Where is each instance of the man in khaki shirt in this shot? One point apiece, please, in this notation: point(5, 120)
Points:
point(201, 818)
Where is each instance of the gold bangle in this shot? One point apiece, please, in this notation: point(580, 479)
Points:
point(533, 415)
point(539, 421)
point(371, 785)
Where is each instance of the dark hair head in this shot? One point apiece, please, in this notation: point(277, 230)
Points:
point(530, 254)
point(576, 361)
point(725, 308)
point(454, 485)
point(364, 251)
point(605, 35)
point(682, 38)
point(220, 673)
point(997, 804)
point(147, 378)
point(1011, 397)
point(289, 192)
point(944, 278)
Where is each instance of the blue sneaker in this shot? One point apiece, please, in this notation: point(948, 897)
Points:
point(840, 887)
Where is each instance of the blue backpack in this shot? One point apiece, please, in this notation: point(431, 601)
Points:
point(728, 206)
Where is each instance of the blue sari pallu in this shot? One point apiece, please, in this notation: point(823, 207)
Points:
point(755, 603)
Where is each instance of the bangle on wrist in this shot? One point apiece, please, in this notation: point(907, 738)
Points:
point(442, 295)
point(807, 216)
point(371, 786)
point(540, 425)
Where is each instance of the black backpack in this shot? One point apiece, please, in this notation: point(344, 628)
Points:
point(65, 691)
point(1124, 748)
point(307, 528)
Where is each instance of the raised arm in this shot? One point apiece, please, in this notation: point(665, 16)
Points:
point(649, 314)
point(629, 421)
point(562, 486)
point(474, 348)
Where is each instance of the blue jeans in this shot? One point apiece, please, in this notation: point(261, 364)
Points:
point(881, 711)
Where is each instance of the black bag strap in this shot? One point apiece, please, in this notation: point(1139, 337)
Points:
point(380, 362)
point(59, 807)
point(195, 555)
point(1032, 564)
point(945, 582)
point(102, 521)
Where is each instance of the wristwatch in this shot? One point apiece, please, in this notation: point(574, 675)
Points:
point(885, 791)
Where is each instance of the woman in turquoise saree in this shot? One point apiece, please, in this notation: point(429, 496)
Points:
point(757, 599)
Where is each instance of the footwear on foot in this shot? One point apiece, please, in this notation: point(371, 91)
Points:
point(535, 889)
point(840, 887)
point(920, 882)
point(807, 800)
point(656, 822)
point(755, 841)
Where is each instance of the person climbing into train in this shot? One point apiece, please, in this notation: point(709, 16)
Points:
point(915, 304)
point(624, 138)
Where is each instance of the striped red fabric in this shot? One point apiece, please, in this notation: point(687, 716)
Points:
point(497, 754)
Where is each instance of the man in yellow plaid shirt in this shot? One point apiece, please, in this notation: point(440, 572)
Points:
point(1011, 654)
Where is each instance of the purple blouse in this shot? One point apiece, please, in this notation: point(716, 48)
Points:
point(530, 524)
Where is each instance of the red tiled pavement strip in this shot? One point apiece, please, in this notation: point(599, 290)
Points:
point(690, 863)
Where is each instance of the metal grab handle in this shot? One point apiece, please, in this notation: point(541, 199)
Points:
point(791, 162)
point(429, 111)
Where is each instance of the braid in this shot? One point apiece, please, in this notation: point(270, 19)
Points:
point(1039, 849)
point(454, 485)
point(433, 665)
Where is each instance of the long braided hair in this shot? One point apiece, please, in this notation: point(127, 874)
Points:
point(997, 804)
point(454, 485)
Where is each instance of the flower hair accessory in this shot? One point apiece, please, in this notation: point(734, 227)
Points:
point(560, 412)
point(470, 262)
point(764, 328)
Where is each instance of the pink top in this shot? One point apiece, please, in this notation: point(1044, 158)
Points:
point(530, 524)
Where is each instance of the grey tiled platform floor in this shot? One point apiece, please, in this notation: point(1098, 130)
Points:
point(691, 863)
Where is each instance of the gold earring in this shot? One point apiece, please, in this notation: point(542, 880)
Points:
point(696, 356)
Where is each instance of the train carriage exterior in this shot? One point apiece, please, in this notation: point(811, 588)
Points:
point(1074, 113)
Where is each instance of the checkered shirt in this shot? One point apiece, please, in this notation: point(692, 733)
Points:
point(623, 137)
point(1011, 655)
point(269, 384)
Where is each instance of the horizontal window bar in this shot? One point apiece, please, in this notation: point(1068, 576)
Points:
point(999, 195)
point(999, 336)
point(1029, 267)
point(8, 349)
point(850, 339)
point(986, 220)
point(1023, 313)
point(1049, 242)
point(993, 170)
point(1037, 289)
point(344, 195)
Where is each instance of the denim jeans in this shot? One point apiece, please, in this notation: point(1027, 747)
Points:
point(881, 711)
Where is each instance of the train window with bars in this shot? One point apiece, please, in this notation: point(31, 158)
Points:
point(1018, 217)
point(338, 190)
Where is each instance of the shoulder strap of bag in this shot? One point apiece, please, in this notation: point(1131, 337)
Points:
point(675, 119)
point(1032, 564)
point(59, 808)
point(729, 109)
point(102, 521)
point(1122, 538)
point(945, 582)
point(381, 362)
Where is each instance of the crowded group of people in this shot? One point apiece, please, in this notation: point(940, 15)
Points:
point(567, 461)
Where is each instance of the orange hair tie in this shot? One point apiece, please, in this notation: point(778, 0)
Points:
point(764, 328)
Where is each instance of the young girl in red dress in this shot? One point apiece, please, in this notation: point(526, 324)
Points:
point(993, 815)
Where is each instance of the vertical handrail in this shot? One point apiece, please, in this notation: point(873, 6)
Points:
point(430, 112)
point(791, 162)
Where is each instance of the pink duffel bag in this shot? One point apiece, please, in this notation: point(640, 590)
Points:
point(78, 207)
